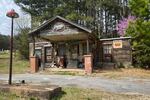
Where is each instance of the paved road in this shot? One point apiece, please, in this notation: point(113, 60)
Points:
point(126, 85)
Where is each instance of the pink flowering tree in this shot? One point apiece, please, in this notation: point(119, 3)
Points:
point(123, 25)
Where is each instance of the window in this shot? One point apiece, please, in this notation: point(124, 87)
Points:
point(38, 53)
point(48, 54)
point(107, 49)
point(107, 53)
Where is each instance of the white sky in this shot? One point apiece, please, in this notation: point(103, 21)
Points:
point(5, 22)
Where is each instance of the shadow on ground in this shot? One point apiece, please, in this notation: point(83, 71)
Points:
point(59, 96)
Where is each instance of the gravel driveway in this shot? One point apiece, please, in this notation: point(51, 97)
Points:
point(126, 85)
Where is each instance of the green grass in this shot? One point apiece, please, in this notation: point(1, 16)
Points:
point(74, 93)
point(4, 96)
point(122, 72)
point(4, 54)
point(62, 73)
point(8, 96)
point(19, 66)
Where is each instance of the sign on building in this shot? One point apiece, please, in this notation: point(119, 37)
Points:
point(117, 44)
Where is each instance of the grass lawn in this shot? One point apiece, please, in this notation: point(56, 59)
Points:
point(121, 73)
point(110, 74)
point(73, 93)
point(7, 96)
point(19, 66)
point(4, 96)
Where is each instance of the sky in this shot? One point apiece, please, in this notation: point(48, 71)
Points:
point(5, 22)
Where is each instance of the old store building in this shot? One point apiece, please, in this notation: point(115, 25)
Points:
point(116, 52)
point(59, 42)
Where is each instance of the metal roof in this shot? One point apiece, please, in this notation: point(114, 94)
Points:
point(119, 38)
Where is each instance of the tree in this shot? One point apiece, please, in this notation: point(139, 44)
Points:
point(22, 38)
point(124, 23)
point(99, 15)
point(4, 42)
point(140, 8)
point(140, 31)
point(22, 43)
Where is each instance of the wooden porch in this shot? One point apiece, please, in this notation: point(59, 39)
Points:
point(70, 42)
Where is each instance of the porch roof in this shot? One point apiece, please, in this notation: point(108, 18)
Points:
point(41, 27)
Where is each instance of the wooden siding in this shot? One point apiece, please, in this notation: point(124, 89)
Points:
point(120, 56)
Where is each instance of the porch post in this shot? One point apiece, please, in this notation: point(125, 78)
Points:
point(87, 45)
point(53, 52)
point(33, 45)
point(33, 59)
point(88, 60)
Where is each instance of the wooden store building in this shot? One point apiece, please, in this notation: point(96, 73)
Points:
point(62, 43)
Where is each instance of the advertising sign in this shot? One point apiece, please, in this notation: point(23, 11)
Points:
point(117, 44)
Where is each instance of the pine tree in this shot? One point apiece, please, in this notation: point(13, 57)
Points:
point(99, 15)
